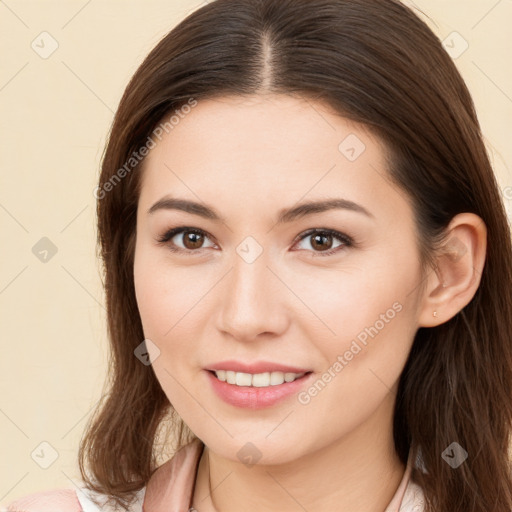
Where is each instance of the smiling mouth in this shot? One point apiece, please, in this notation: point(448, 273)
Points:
point(257, 380)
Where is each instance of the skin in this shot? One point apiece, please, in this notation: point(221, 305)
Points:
point(248, 158)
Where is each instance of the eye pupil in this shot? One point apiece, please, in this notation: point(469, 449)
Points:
point(321, 245)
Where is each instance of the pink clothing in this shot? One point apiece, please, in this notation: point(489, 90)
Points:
point(171, 487)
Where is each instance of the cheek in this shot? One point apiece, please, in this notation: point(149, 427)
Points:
point(379, 297)
point(370, 314)
point(360, 374)
point(354, 301)
point(150, 295)
point(164, 300)
point(165, 294)
point(173, 305)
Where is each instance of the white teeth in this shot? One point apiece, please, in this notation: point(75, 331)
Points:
point(276, 378)
point(221, 374)
point(258, 380)
point(243, 379)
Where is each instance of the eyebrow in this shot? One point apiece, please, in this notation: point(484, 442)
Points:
point(285, 215)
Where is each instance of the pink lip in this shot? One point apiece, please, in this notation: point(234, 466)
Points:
point(250, 397)
point(258, 367)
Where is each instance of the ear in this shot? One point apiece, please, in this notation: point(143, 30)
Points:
point(459, 264)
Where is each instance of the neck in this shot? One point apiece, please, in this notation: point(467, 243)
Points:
point(360, 471)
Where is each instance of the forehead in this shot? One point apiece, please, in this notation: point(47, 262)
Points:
point(250, 151)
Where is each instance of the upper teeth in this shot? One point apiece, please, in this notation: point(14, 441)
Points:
point(258, 379)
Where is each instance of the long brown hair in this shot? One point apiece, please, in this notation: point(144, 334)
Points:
point(374, 62)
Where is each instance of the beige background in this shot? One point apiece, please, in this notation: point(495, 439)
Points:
point(55, 114)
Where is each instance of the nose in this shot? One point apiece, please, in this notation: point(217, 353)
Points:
point(252, 301)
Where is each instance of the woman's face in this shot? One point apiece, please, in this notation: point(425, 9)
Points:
point(243, 285)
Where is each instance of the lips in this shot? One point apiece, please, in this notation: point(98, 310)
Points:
point(249, 397)
point(257, 367)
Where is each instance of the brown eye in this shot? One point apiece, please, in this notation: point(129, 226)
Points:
point(322, 240)
point(192, 240)
point(185, 240)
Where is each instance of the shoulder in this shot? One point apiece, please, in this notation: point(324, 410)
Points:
point(414, 499)
point(174, 481)
point(58, 500)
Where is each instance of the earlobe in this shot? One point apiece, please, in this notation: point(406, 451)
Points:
point(453, 282)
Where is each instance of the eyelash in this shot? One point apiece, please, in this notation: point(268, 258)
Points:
point(168, 235)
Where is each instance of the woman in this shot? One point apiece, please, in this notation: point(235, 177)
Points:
point(307, 269)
